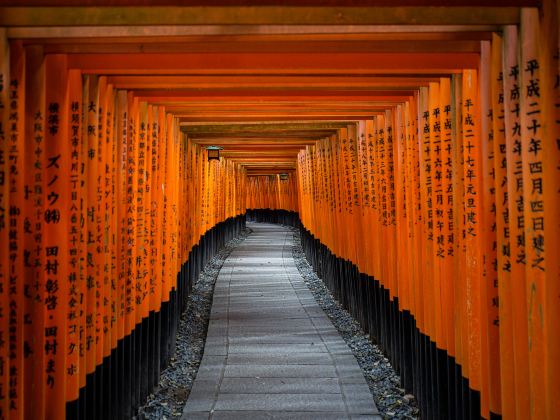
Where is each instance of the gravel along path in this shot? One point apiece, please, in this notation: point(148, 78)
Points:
point(176, 381)
point(383, 381)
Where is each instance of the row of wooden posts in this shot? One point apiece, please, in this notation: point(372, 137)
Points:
point(272, 192)
point(102, 199)
point(451, 200)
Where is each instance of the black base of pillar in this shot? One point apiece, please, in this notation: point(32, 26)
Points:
point(279, 217)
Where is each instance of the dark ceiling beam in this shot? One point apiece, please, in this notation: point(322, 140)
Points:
point(331, 107)
point(412, 46)
point(224, 96)
point(185, 83)
point(250, 141)
point(278, 118)
point(256, 15)
point(280, 135)
point(153, 33)
point(451, 33)
point(263, 128)
point(308, 3)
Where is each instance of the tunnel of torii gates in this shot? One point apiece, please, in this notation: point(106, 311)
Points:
point(417, 147)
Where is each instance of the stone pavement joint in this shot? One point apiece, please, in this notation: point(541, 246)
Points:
point(271, 352)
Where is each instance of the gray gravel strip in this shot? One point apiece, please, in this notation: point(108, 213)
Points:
point(176, 381)
point(383, 381)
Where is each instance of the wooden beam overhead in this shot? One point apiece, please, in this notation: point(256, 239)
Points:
point(262, 127)
point(239, 143)
point(256, 154)
point(200, 37)
point(236, 135)
point(174, 31)
point(258, 150)
point(266, 144)
point(191, 110)
point(256, 15)
point(299, 3)
point(261, 162)
point(289, 155)
point(298, 112)
point(412, 46)
point(291, 163)
point(268, 172)
point(271, 63)
point(305, 106)
point(271, 96)
point(328, 115)
point(185, 83)
point(278, 118)
point(270, 115)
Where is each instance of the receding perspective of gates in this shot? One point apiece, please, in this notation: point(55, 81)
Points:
point(417, 148)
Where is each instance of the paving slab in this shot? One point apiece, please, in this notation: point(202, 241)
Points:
point(280, 386)
point(280, 371)
point(271, 352)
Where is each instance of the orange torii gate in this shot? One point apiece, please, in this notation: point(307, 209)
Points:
point(100, 239)
point(423, 166)
point(466, 153)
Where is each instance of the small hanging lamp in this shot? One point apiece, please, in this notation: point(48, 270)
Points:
point(214, 152)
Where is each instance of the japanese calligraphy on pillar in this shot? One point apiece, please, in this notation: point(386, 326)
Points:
point(15, 160)
point(391, 199)
point(435, 206)
point(108, 179)
point(426, 192)
point(437, 202)
point(346, 171)
point(532, 132)
point(131, 193)
point(426, 168)
point(470, 148)
point(121, 116)
point(355, 168)
point(550, 73)
point(34, 280)
point(4, 206)
point(516, 218)
point(76, 283)
point(155, 291)
point(336, 151)
point(503, 243)
point(489, 286)
point(165, 214)
point(402, 271)
point(90, 137)
point(447, 167)
point(391, 218)
point(472, 202)
point(99, 217)
point(382, 170)
point(141, 193)
point(56, 221)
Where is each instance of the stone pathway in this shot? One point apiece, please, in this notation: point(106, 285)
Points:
point(271, 352)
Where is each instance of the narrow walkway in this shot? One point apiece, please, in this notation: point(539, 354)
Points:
point(271, 352)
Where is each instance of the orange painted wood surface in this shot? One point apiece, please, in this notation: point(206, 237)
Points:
point(427, 156)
